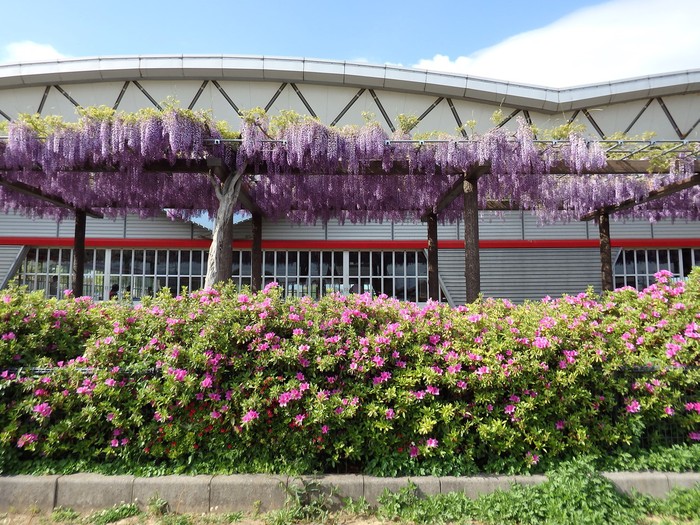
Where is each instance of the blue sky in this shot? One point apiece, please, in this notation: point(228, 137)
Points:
point(544, 42)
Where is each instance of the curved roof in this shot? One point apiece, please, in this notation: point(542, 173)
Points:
point(354, 74)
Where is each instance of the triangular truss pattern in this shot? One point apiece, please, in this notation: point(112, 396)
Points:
point(308, 104)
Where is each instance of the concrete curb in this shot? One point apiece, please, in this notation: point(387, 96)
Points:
point(260, 492)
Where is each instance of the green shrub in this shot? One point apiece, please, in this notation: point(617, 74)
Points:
point(225, 381)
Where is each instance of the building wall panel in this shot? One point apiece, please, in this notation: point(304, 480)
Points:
point(21, 100)
point(527, 274)
point(560, 230)
point(498, 225)
point(288, 230)
point(685, 110)
point(675, 229)
point(57, 104)
point(16, 225)
point(102, 94)
point(413, 231)
point(654, 120)
point(348, 231)
point(477, 113)
point(163, 228)
point(8, 258)
point(629, 229)
point(329, 103)
point(181, 91)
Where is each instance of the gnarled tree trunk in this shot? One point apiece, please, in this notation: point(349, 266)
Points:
point(227, 186)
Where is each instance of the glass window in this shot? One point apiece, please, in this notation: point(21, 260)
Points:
point(246, 264)
point(173, 263)
point(636, 268)
point(185, 262)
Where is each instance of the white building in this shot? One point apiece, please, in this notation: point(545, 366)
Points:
point(519, 258)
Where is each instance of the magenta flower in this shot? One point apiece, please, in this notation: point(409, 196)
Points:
point(695, 436)
point(560, 424)
point(431, 443)
point(378, 361)
point(413, 451)
point(483, 370)
point(250, 416)
point(510, 409)
point(26, 439)
point(541, 342)
point(179, 374)
point(693, 406)
point(43, 409)
point(671, 350)
point(633, 407)
point(390, 414)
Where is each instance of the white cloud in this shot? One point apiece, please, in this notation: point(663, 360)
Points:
point(614, 40)
point(28, 51)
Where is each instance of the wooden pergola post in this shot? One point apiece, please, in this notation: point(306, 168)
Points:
point(472, 272)
point(78, 267)
point(433, 276)
point(256, 253)
point(606, 273)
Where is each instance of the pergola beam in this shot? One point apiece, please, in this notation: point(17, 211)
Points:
point(26, 189)
point(653, 195)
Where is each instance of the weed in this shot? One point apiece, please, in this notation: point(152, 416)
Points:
point(407, 505)
point(221, 519)
point(286, 516)
point(157, 506)
point(307, 500)
point(64, 515)
point(177, 519)
point(116, 513)
point(356, 507)
point(680, 503)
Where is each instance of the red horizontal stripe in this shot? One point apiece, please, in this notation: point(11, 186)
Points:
point(375, 245)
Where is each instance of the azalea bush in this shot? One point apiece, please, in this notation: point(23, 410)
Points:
point(228, 381)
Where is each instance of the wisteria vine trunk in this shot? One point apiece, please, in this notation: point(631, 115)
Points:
point(227, 187)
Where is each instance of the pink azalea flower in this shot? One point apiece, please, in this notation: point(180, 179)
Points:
point(633, 406)
point(26, 439)
point(43, 409)
point(250, 416)
point(431, 443)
